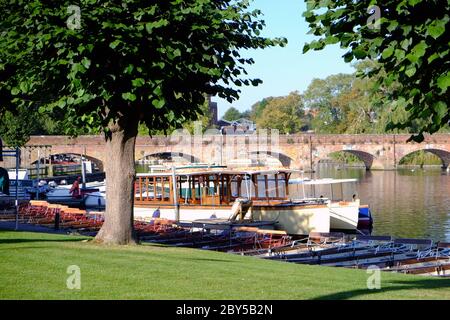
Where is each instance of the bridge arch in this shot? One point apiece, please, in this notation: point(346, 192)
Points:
point(443, 155)
point(285, 160)
point(170, 156)
point(53, 158)
point(365, 157)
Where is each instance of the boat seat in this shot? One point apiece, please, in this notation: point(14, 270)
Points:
point(443, 245)
point(325, 237)
point(418, 242)
point(423, 246)
point(366, 238)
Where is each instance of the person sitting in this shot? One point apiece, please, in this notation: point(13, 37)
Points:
point(156, 214)
point(321, 199)
point(75, 189)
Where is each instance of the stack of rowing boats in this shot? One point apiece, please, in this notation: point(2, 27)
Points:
point(59, 216)
point(412, 256)
point(249, 240)
point(50, 215)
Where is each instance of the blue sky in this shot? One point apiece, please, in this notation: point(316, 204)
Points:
point(284, 70)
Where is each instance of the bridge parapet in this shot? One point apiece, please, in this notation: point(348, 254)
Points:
point(297, 151)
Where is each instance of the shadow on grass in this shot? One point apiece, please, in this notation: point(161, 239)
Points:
point(22, 238)
point(156, 245)
point(422, 284)
point(210, 260)
point(21, 248)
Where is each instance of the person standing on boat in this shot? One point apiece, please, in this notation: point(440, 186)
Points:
point(75, 190)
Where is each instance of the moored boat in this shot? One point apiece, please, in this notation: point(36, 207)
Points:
point(193, 194)
point(61, 194)
point(345, 214)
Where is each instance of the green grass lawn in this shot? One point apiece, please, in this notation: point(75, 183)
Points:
point(34, 266)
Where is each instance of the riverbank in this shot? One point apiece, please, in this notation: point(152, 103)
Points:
point(34, 266)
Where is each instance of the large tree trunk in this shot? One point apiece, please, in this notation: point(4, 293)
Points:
point(120, 175)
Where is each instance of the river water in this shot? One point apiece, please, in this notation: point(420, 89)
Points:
point(409, 203)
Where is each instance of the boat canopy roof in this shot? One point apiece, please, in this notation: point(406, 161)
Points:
point(321, 181)
point(220, 171)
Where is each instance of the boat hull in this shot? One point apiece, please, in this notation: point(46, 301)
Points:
point(186, 214)
point(95, 200)
point(344, 215)
point(294, 219)
point(62, 195)
point(365, 218)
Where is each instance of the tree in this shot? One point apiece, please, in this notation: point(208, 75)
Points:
point(409, 39)
point(232, 114)
point(204, 117)
point(347, 104)
point(247, 114)
point(258, 108)
point(15, 129)
point(285, 114)
point(18, 125)
point(110, 65)
point(322, 99)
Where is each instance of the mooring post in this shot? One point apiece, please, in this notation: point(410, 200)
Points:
point(57, 220)
point(38, 168)
point(311, 162)
point(175, 195)
point(395, 151)
point(83, 174)
point(17, 187)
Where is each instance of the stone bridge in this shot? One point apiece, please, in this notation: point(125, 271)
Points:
point(301, 151)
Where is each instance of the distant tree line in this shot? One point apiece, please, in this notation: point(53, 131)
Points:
point(338, 104)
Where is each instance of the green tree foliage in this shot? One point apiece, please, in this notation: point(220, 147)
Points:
point(346, 103)
point(247, 114)
point(420, 158)
point(410, 40)
point(15, 129)
point(110, 65)
point(150, 60)
point(18, 125)
point(346, 158)
point(323, 99)
point(342, 104)
point(203, 118)
point(286, 114)
point(258, 108)
point(232, 114)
